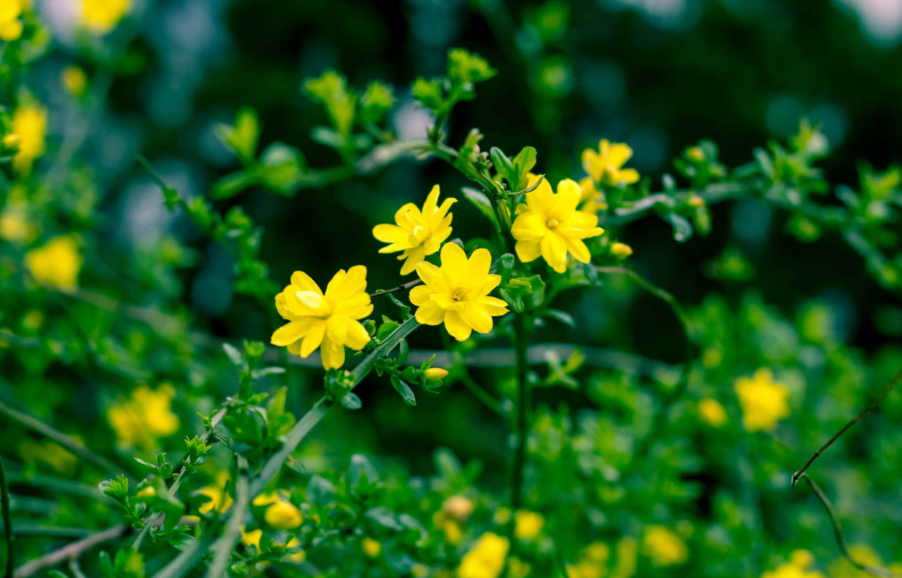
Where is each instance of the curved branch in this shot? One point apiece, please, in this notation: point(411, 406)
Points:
point(73, 550)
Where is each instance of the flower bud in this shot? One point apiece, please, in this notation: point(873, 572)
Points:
point(435, 374)
point(621, 250)
point(11, 141)
point(283, 515)
point(457, 508)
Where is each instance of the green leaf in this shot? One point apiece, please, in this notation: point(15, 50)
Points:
point(377, 99)
point(523, 164)
point(404, 390)
point(350, 401)
point(231, 185)
point(235, 356)
point(243, 135)
point(465, 68)
point(428, 93)
point(331, 90)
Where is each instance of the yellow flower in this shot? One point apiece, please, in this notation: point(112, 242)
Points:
point(75, 81)
point(10, 25)
point(144, 417)
point(14, 226)
point(517, 568)
point(458, 508)
point(147, 492)
point(712, 412)
point(295, 557)
point(527, 525)
point(328, 319)
point(664, 547)
point(220, 501)
point(797, 567)
point(591, 199)
point(621, 250)
point(764, 402)
point(417, 233)
point(30, 125)
point(48, 452)
point(56, 264)
point(486, 558)
point(266, 499)
point(452, 532)
point(370, 547)
point(626, 549)
point(549, 225)
point(251, 538)
point(283, 515)
point(101, 16)
point(592, 562)
point(457, 293)
point(606, 165)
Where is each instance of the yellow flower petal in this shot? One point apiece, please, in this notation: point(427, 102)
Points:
point(456, 326)
point(554, 251)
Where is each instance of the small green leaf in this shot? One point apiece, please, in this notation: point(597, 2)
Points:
point(404, 390)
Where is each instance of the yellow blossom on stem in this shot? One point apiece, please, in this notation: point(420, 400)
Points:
point(606, 165)
point(664, 547)
point(486, 558)
point(457, 293)
point(14, 225)
point(764, 402)
point(144, 417)
point(458, 508)
point(797, 567)
point(251, 538)
point(712, 412)
point(370, 547)
point(435, 374)
point(295, 557)
point(30, 126)
point(327, 319)
point(56, 264)
point(549, 225)
point(591, 199)
point(527, 525)
point(220, 501)
point(101, 16)
point(418, 233)
point(10, 25)
point(283, 515)
point(75, 81)
point(621, 250)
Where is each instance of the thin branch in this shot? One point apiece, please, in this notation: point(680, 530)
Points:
point(73, 550)
point(403, 287)
point(75, 568)
point(60, 438)
point(226, 542)
point(7, 523)
point(45, 531)
point(845, 428)
point(840, 537)
point(482, 395)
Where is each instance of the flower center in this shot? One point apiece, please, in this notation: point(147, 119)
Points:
point(552, 223)
point(459, 295)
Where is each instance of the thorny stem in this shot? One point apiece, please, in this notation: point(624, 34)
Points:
point(845, 428)
point(7, 522)
point(840, 537)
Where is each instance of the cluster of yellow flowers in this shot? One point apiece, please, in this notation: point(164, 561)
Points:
point(56, 264)
point(10, 24)
point(664, 547)
point(29, 128)
point(764, 402)
point(144, 417)
point(486, 558)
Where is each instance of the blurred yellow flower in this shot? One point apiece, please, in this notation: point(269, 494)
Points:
point(664, 547)
point(517, 568)
point(452, 532)
point(101, 16)
point(797, 567)
point(266, 499)
point(486, 558)
point(75, 81)
point(457, 293)
point(370, 547)
point(862, 553)
point(10, 25)
point(417, 233)
point(712, 412)
point(593, 562)
point(220, 501)
point(550, 226)
point(764, 402)
point(144, 417)
point(591, 199)
point(458, 508)
point(606, 165)
point(295, 557)
point(252, 538)
point(56, 264)
point(14, 225)
point(527, 525)
point(283, 515)
point(146, 492)
point(627, 552)
point(329, 319)
point(50, 453)
point(30, 126)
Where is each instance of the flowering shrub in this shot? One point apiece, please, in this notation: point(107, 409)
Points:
point(160, 447)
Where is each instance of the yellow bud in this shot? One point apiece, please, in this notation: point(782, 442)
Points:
point(75, 81)
point(696, 154)
point(696, 201)
point(435, 374)
point(148, 492)
point(458, 508)
point(370, 547)
point(283, 515)
point(621, 250)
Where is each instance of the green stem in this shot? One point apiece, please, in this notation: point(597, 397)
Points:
point(482, 395)
point(226, 543)
point(7, 522)
point(68, 552)
point(524, 401)
point(60, 438)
